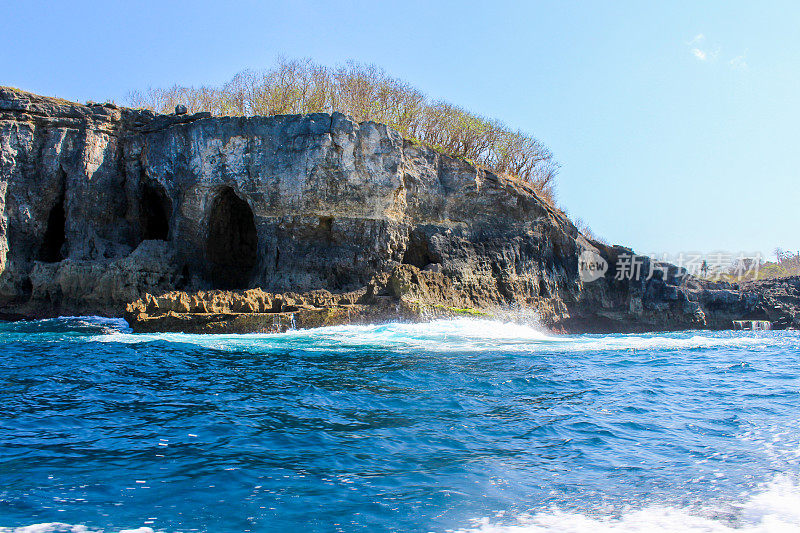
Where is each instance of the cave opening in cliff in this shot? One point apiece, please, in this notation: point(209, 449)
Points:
point(55, 236)
point(232, 246)
point(417, 252)
point(155, 213)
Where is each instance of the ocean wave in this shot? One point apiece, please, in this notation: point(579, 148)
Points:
point(511, 415)
point(439, 335)
point(64, 324)
point(464, 335)
point(775, 509)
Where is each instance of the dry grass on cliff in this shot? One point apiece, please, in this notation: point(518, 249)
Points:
point(366, 92)
point(787, 264)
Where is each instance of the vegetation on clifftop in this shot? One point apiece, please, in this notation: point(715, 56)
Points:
point(367, 93)
point(787, 264)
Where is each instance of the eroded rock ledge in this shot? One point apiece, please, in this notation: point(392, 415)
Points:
point(101, 206)
point(410, 294)
point(405, 293)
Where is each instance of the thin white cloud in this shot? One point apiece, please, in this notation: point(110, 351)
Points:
point(738, 62)
point(697, 47)
point(697, 39)
point(701, 50)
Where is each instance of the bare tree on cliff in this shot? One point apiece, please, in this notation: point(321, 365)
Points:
point(366, 92)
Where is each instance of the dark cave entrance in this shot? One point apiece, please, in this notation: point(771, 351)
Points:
point(55, 236)
point(156, 208)
point(232, 247)
point(417, 252)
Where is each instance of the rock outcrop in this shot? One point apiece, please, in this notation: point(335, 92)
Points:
point(406, 293)
point(778, 302)
point(101, 206)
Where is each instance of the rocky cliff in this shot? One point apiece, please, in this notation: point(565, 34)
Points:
point(101, 206)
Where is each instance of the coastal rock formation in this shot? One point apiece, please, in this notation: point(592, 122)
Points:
point(101, 206)
point(778, 301)
point(404, 293)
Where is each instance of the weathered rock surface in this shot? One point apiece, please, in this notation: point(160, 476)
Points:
point(404, 293)
point(778, 301)
point(101, 206)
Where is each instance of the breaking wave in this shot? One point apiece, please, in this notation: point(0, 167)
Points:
point(464, 334)
point(775, 509)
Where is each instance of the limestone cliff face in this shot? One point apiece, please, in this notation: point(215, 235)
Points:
point(101, 205)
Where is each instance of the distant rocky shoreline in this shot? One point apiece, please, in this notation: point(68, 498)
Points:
point(201, 224)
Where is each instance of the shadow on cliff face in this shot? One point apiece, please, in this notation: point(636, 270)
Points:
point(155, 213)
point(232, 242)
point(52, 247)
point(417, 251)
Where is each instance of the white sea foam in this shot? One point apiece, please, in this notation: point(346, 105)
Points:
point(775, 509)
point(464, 334)
point(89, 320)
point(439, 335)
point(61, 527)
point(118, 323)
point(676, 341)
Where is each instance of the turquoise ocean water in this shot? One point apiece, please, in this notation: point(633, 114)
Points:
point(461, 425)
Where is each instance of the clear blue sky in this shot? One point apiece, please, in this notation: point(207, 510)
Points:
point(677, 123)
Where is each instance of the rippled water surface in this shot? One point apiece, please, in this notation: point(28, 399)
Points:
point(451, 425)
